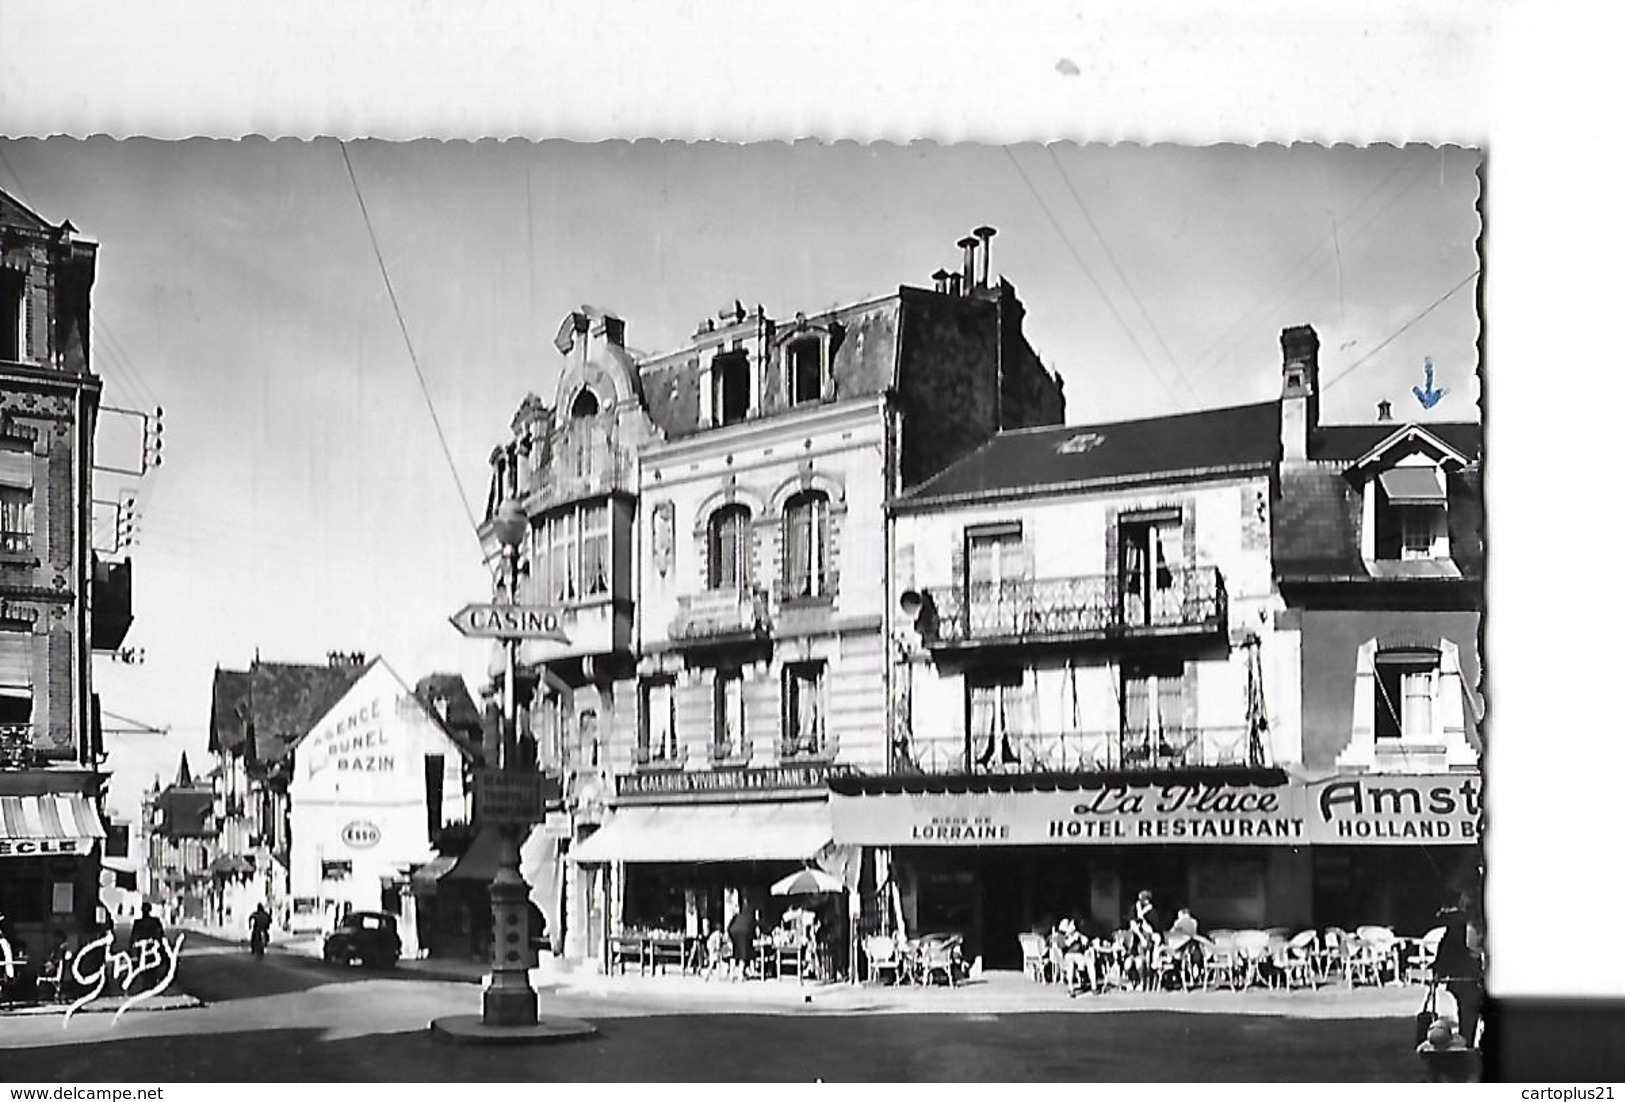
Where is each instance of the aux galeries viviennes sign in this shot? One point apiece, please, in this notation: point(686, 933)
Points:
point(1443, 809)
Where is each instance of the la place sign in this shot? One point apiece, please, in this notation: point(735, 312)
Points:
point(488, 621)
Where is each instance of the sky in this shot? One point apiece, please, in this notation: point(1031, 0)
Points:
point(304, 503)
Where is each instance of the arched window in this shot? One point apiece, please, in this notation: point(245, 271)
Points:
point(806, 545)
point(728, 548)
point(585, 405)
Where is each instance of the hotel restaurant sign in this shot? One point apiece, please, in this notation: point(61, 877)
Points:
point(1363, 809)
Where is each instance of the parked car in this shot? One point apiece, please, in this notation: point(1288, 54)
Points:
point(365, 936)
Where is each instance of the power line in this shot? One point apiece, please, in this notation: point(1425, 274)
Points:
point(411, 352)
point(1272, 297)
point(1122, 275)
point(1434, 305)
point(1061, 233)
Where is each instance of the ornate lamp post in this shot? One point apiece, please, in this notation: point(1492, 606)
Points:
point(509, 999)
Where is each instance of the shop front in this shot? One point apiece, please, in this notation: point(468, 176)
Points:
point(684, 852)
point(50, 867)
point(990, 858)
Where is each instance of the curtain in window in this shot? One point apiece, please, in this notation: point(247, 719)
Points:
point(1170, 719)
point(1417, 687)
point(728, 548)
point(806, 533)
point(984, 720)
point(730, 725)
point(1167, 545)
point(660, 733)
point(1137, 717)
point(1134, 566)
point(595, 550)
point(805, 710)
point(16, 519)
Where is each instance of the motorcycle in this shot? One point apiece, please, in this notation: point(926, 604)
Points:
point(256, 943)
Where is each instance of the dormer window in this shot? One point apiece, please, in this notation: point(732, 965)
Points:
point(804, 360)
point(585, 405)
point(730, 383)
point(1410, 523)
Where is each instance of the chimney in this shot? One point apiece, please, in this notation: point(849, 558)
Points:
point(1385, 410)
point(1300, 390)
point(953, 283)
point(969, 245)
point(986, 234)
point(939, 280)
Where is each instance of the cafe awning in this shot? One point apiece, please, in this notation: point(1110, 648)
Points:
point(49, 824)
point(710, 832)
point(1413, 485)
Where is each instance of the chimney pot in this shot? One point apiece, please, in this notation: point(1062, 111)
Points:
point(986, 234)
point(969, 245)
point(939, 279)
point(1385, 410)
point(954, 279)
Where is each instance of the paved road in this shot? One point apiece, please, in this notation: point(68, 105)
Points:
point(289, 1018)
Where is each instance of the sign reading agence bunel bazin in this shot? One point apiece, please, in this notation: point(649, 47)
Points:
point(1349, 810)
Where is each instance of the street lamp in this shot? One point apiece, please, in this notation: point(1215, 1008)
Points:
point(509, 999)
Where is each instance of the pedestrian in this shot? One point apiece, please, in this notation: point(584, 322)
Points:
point(742, 938)
point(259, 930)
point(1459, 967)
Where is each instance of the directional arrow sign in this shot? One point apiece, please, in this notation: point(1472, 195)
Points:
point(509, 622)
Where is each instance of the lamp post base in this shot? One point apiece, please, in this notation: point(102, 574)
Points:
point(508, 1006)
point(472, 1029)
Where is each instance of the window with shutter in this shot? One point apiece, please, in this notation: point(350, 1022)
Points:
point(1406, 684)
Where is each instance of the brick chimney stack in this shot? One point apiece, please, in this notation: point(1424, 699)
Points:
point(1300, 390)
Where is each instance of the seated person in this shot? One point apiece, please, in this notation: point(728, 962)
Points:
point(1078, 959)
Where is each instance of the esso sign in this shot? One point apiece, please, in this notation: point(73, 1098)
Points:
point(360, 835)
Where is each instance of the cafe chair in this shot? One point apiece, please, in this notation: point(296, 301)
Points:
point(1337, 955)
point(881, 953)
point(1297, 959)
point(1034, 956)
point(1427, 950)
point(1379, 952)
point(939, 956)
point(1252, 952)
point(1221, 960)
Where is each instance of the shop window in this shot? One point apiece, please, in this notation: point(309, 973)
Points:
point(1409, 514)
point(728, 729)
point(730, 382)
point(728, 546)
point(12, 317)
point(1150, 551)
point(657, 729)
point(998, 717)
point(1153, 706)
point(1407, 684)
point(806, 545)
point(803, 709)
point(805, 361)
point(16, 676)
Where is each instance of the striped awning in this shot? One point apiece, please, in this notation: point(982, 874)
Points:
point(55, 823)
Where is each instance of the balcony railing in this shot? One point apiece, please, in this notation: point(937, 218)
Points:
point(720, 614)
point(818, 747)
point(580, 461)
point(1097, 605)
point(819, 587)
point(652, 759)
point(1081, 751)
point(730, 753)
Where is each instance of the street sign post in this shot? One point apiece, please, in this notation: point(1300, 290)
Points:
point(504, 621)
point(510, 797)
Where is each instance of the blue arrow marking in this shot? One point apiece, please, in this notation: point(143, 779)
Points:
point(1425, 393)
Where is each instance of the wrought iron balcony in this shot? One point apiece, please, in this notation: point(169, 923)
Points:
point(721, 615)
point(817, 747)
point(653, 759)
point(1098, 606)
point(730, 753)
point(1081, 751)
point(813, 588)
point(580, 461)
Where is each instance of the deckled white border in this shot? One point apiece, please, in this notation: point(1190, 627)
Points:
point(1529, 81)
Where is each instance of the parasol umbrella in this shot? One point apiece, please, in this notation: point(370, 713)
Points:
point(808, 882)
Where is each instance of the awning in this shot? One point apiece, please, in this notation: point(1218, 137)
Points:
point(427, 876)
point(1413, 485)
point(479, 861)
point(45, 825)
point(230, 865)
point(710, 832)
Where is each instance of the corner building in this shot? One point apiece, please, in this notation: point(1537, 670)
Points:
point(761, 581)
